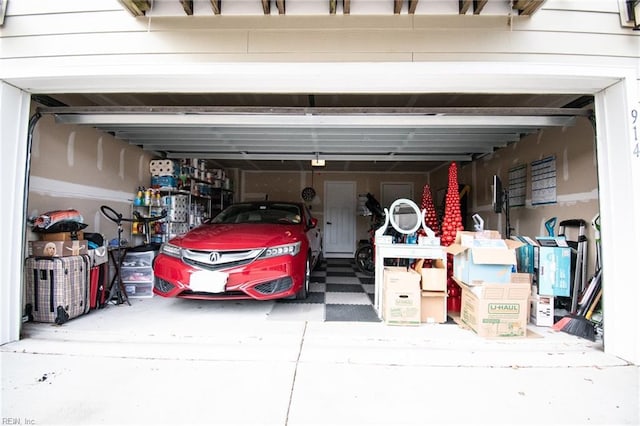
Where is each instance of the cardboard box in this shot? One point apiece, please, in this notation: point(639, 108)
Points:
point(542, 311)
point(401, 296)
point(549, 259)
point(527, 255)
point(57, 248)
point(434, 278)
point(466, 238)
point(520, 278)
point(488, 260)
point(554, 267)
point(497, 310)
point(62, 236)
point(433, 307)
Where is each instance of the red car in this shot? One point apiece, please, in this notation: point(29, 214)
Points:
point(254, 250)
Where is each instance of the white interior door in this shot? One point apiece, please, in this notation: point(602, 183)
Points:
point(340, 219)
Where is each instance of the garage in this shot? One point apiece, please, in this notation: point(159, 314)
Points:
point(379, 124)
point(403, 145)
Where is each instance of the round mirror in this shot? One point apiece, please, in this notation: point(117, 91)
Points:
point(405, 216)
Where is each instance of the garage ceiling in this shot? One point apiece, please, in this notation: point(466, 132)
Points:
point(353, 133)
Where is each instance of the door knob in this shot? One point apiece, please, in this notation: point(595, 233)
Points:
point(329, 223)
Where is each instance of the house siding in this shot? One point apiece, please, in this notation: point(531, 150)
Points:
point(37, 30)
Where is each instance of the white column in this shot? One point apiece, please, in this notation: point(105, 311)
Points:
point(619, 182)
point(14, 122)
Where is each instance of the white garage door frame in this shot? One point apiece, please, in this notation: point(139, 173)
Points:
point(14, 118)
point(615, 90)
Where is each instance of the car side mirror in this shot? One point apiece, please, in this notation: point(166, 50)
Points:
point(313, 222)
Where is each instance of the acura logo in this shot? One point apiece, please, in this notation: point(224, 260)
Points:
point(214, 256)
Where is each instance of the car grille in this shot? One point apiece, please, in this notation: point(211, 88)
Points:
point(216, 260)
point(216, 267)
point(275, 286)
point(205, 294)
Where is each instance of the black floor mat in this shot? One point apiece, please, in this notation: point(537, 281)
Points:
point(364, 313)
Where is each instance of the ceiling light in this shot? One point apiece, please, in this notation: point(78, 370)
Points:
point(317, 162)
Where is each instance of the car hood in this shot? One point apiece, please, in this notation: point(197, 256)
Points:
point(238, 236)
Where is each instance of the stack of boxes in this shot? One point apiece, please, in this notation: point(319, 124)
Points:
point(433, 306)
point(505, 284)
point(196, 170)
point(548, 260)
point(164, 174)
point(495, 299)
point(410, 297)
point(58, 244)
point(401, 296)
point(219, 179)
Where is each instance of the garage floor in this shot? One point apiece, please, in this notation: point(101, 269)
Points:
point(167, 361)
point(339, 290)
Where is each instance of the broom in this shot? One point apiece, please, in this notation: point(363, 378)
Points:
point(582, 326)
point(585, 302)
point(562, 323)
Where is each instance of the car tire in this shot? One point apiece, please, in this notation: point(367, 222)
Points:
point(318, 260)
point(364, 259)
point(304, 290)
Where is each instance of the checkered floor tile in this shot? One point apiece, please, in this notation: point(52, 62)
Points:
point(343, 293)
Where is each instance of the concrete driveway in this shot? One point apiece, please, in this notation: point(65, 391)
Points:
point(164, 361)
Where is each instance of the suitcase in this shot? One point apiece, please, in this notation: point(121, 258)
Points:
point(57, 288)
point(98, 287)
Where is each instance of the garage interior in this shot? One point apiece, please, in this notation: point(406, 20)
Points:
point(267, 142)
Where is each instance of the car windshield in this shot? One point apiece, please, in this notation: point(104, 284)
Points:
point(281, 213)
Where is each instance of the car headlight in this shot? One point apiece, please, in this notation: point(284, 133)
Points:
point(171, 250)
point(288, 249)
